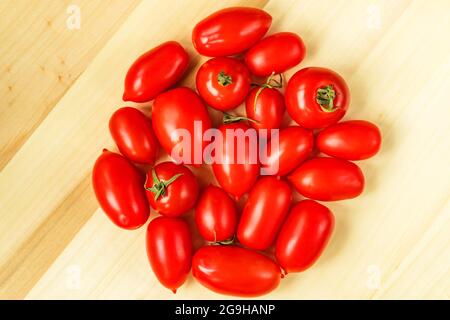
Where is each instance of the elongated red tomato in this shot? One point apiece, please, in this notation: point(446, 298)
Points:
point(216, 215)
point(230, 31)
point(169, 250)
point(132, 131)
point(303, 236)
point(235, 271)
point(118, 186)
point(267, 109)
point(328, 179)
point(295, 144)
point(155, 71)
point(275, 54)
point(351, 140)
point(179, 120)
point(264, 212)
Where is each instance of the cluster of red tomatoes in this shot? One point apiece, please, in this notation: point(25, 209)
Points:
point(248, 251)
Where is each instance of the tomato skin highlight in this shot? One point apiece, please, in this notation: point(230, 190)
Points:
point(155, 71)
point(118, 186)
point(230, 31)
point(328, 179)
point(303, 236)
point(133, 133)
point(301, 97)
point(169, 250)
point(216, 215)
point(235, 271)
point(228, 95)
point(268, 111)
point(275, 54)
point(264, 212)
point(350, 140)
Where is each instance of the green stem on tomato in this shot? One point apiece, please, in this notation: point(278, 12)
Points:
point(224, 79)
point(159, 187)
point(229, 118)
point(270, 83)
point(325, 98)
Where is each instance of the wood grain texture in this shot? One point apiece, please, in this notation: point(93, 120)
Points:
point(392, 242)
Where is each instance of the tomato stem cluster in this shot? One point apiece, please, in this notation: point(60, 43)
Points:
point(229, 118)
point(270, 83)
point(325, 98)
point(159, 186)
point(224, 79)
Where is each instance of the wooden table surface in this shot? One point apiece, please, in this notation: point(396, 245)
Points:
point(59, 84)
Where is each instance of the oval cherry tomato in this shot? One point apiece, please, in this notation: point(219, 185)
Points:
point(178, 112)
point(132, 131)
point(169, 250)
point(118, 186)
point(266, 109)
point(237, 176)
point(275, 54)
point(295, 144)
point(316, 97)
point(155, 71)
point(303, 236)
point(235, 271)
point(216, 215)
point(351, 140)
point(223, 82)
point(172, 189)
point(264, 212)
point(328, 179)
point(230, 31)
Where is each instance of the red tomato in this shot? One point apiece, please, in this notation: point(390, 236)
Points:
point(216, 215)
point(316, 97)
point(169, 250)
point(223, 82)
point(172, 189)
point(275, 54)
point(295, 144)
point(351, 140)
point(237, 168)
point(181, 109)
point(118, 186)
point(235, 271)
point(264, 212)
point(266, 109)
point(303, 236)
point(328, 179)
point(132, 131)
point(155, 71)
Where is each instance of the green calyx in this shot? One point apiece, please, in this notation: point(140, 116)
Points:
point(229, 118)
point(223, 242)
point(325, 98)
point(159, 187)
point(270, 83)
point(224, 79)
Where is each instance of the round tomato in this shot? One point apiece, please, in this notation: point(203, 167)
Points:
point(172, 189)
point(328, 179)
point(155, 71)
point(264, 212)
point(216, 215)
point(316, 97)
point(169, 250)
point(235, 271)
point(230, 31)
point(118, 186)
point(351, 140)
point(223, 83)
point(266, 107)
point(303, 236)
point(132, 131)
point(275, 54)
point(179, 120)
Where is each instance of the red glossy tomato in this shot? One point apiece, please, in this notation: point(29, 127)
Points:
point(264, 212)
point(328, 179)
point(179, 120)
point(295, 144)
point(169, 250)
point(266, 109)
point(216, 215)
point(155, 71)
point(235, 271)
point(316, 97)
point(237, 167)
point(132, 131)
point(351, 140)
point(230, 31)
point(223, 82)
point(275, 54)
point(118, 186)
point(303, 236)
point(172, 189)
